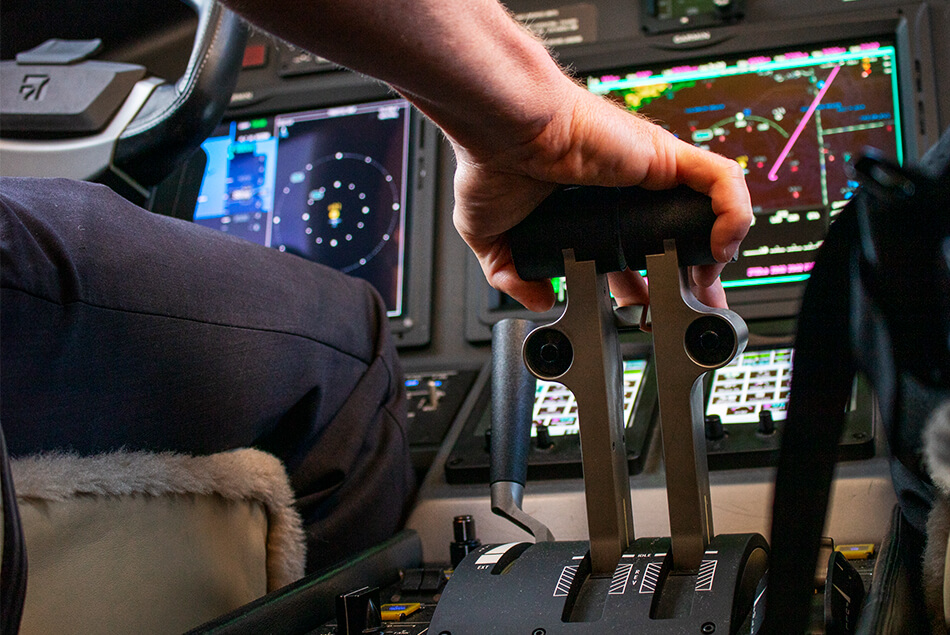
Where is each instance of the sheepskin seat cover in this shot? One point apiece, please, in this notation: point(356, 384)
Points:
point(135, 542)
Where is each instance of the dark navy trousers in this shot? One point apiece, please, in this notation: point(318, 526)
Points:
point(120, 328)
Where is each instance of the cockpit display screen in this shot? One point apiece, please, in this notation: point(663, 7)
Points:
point(555, 407)
point(795, 120)
point(329, 185)
point(755, 381)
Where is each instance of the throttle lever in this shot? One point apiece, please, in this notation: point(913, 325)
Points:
point(689, 339)
point(581, 351)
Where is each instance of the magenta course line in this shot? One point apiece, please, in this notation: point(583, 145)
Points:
point(773, 173)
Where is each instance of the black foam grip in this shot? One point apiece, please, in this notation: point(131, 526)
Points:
point(512, 402)
point(617, 227)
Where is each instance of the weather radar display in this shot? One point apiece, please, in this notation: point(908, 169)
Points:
point(794, 120)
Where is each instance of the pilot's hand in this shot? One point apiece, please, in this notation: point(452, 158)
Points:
point(588, 140)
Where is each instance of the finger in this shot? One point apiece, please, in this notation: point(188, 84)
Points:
point(705, 275)
point(494, 256)
point(712, 295)
point(536, 295)
point(628, 287)
point(723, 181)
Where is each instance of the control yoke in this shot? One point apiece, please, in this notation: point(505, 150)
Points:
point(583, 233)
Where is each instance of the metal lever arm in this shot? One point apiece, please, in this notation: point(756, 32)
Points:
point(581, 351)
point(689, 339)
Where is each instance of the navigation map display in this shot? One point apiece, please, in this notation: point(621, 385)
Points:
point(794, 120)
point(329, 185)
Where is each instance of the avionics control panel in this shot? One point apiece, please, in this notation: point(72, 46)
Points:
point(746, 407)
point(555, 451)
point(746, 404)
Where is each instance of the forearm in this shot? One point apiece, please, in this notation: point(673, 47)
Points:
point(465, 63)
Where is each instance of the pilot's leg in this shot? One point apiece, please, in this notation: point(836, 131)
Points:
point(124, 329)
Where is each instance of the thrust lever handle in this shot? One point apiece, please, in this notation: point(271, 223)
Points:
point(689, 339)
point(581, 351)
point(615, 227)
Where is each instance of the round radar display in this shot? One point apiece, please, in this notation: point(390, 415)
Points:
point(348, 205)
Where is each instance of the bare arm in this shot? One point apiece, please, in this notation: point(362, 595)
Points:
point(517, 123)
point(465, 63)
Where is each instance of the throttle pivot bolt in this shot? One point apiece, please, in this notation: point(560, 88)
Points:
point(709, 340)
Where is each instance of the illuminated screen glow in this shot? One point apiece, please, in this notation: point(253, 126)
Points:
point(794, 120)
point(329, 185)
point(754, 381)
point(556, 408)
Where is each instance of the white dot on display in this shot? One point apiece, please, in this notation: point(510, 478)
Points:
point(308, 231)
point(349, 236)
point(309, 166)
point(365, 210)
point(333, 242)
point(281, 248)
point(337, 184)
point(362, 196)
point(396, 206)
point(319, 240)
point(389, 177)
point(286, 190)
point(362, 261)
point(385, 236)
point(351, 186)
point(277, 220)
point(305, 216)
point(360, 225)
point(367, 160)
point(338, 155)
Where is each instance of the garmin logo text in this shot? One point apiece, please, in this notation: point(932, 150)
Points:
point(696, 36)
